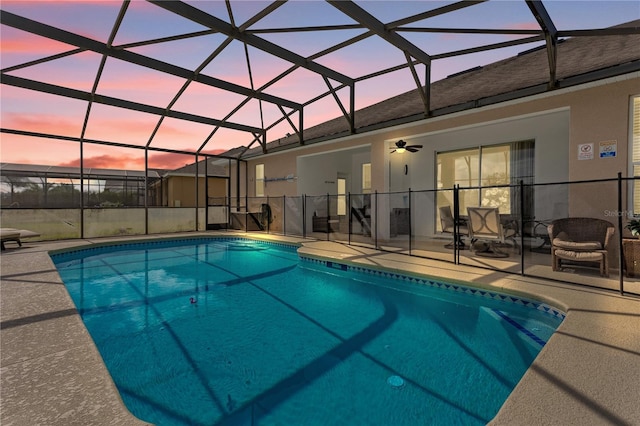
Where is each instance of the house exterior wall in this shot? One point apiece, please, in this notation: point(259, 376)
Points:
point(559, 121)
point(598, 115)
point(181, 190)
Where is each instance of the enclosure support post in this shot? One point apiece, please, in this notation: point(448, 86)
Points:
point(206, 193)
point(620, 246)
point(228, 198)
point(350, 216)
point(146, 190)
point(456, 224)
point(410, 228)
point(521, 226)
point(196, 187)
point(81, 188)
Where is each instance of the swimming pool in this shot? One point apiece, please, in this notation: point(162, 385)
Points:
point(233, 331)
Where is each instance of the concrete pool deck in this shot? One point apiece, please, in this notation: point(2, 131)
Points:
point(51, 372)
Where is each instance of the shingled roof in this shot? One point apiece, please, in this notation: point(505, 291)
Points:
point(579, 60)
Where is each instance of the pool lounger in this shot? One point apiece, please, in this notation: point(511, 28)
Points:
point(11, 234)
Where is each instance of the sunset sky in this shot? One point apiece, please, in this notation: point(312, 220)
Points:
point(23, 109)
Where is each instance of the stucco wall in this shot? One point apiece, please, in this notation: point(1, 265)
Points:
point(598, 115)
point(559, 121)
point(181, 190)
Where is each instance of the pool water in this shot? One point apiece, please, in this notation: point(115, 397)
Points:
point(239, 332)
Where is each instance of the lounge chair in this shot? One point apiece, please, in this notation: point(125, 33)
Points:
point(485, 226)
point(15, 235)
point(447, 222)
point(580, 239)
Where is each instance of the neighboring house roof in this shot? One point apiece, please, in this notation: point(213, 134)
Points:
point(579, 60)
point(190, 169)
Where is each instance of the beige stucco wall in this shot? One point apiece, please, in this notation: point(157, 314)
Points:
point(598, 115)
point(601, 114)
point(598, 112)
point(181, 190)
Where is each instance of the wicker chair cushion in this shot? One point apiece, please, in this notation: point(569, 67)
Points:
point(580, 256)
point(577, 246)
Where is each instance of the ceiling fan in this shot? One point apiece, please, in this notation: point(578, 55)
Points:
point(401, 146)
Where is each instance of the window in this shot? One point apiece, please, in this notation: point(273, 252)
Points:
point(366, 178)
point(635, 151)
point(484, 170)
point(342, 199)
point(259, 180)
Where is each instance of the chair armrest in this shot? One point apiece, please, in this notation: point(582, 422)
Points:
point(610, 232)
point(551, 230)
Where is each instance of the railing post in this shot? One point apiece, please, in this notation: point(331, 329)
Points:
point(456, 225)
point(268, 215)
point(521, 226)
point(328, 216)
point(350, 216)
point(375, 204)
point(620, 246)
point(410, 228)
point(304, 216)
point(284, 215)
point(246, 210)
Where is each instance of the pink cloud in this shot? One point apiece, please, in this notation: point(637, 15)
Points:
point(142, 81)
point(524, 26)
point(32, 150)
point(42, 123)
point(107, 162)
point(170, 161)
point(38, 4)
point(165, 161)
point(29, 44)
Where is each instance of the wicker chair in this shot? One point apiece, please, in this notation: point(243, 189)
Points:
point(580, 239)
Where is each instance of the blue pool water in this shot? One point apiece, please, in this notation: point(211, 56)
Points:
point(240, 332)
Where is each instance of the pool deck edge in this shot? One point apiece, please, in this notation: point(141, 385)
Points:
point(51, 372)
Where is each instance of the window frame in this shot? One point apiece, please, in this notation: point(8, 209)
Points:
point(259, 177)
point(512, 151)
point(634, 151)
point(366, 177)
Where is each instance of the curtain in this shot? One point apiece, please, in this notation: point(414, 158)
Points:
point(522, 169)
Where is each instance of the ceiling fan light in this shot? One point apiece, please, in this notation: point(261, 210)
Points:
point(400, 150)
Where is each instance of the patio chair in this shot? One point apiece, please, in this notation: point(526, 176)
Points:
point(447, 223)
point(485, 226)
point(11, 234)
point(580, 240)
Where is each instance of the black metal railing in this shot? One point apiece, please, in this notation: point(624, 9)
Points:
point(409, 222)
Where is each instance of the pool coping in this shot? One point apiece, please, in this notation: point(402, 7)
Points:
point(586, 374)
point(433, 282)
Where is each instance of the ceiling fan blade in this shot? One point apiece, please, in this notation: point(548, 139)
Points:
point(411, 149)
point(414, 146)
point(393, 151)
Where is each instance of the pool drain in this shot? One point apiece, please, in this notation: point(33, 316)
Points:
point(395, 381)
